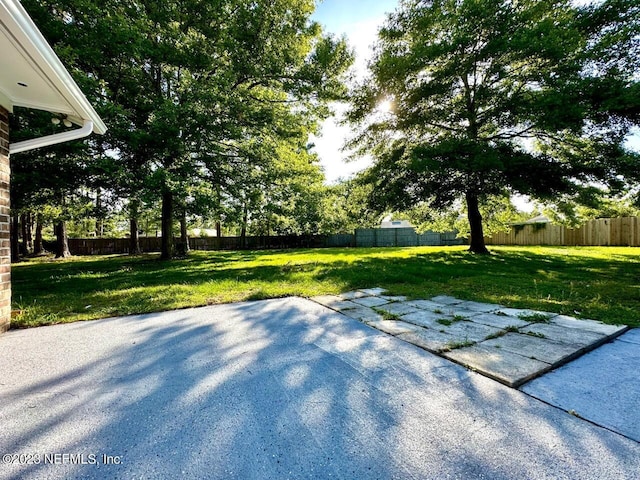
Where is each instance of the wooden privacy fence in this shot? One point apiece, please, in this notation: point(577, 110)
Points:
point(106, 246)
point(623, 231)
point(392, 237)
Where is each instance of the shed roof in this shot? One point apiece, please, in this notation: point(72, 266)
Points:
point(534, 220)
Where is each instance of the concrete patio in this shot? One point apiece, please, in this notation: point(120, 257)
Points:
point(281, 388)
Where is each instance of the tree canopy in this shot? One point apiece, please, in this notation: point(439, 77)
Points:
point(200, 96)
point(488, 98)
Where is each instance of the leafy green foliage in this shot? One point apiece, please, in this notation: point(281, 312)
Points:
point(565, 212)
point(206, 102)
point(345, 208)
point(498, 214)
point(489, 97)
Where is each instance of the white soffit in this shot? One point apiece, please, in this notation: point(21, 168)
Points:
point(27, 59)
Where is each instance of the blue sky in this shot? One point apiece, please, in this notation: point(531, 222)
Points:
point(339, 15)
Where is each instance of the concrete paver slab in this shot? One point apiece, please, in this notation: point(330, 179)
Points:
point(362, 313)
point(499, 364)
point(393, 327)
point(347, 307)
point(336, 303)
point(398, 308)
point(455, 311)
point(446, 300)
point(344, 305)
point(394, 298)
point(590, 325)
point(480, 307)
point(327, 300)
point(373, 291)
point(541, 349)
point(469, 331)
point(601, 386)
point(353, 294)
point(275, 389)
point(500, 321)
point(370, 301)
point(424, 318)
point(434, 341)
point(425, 304)
point(572, 336)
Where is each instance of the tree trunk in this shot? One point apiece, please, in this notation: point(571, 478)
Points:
point(62, 241)
point(24, 249)
point(38, 247)
point(99, 219)
point(134, 240)
point(167, 250)
point(29, 232)
point(243, 230)
point(476, 243)
point(218, 229)
point(184, 235)
point(15, 238)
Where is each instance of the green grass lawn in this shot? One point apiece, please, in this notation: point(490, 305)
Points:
point(601, 283)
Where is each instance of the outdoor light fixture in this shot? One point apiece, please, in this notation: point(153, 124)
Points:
point(55, 120)
point(67, 123)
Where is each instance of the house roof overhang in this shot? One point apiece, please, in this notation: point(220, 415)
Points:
point(33, 76)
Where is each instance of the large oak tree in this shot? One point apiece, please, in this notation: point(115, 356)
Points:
point(491, 96)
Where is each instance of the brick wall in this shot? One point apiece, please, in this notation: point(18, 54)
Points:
point(5, 241)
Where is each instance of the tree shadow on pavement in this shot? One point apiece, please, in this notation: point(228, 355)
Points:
point(274, 389)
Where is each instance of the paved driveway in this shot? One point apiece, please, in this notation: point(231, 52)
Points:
point(273, 389)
